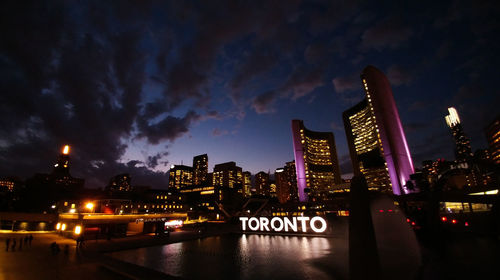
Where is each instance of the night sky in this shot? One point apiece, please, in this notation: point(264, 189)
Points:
point(137, 86)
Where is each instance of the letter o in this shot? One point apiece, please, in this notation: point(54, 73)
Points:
point(313, 226)
point(273, 220)
point(253, 219)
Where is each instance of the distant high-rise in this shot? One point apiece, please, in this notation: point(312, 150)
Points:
point(316, 161)
point(291, 178)
point(120, 183)
point(180, 176)
point(200, 169)
point(493, 135)
point(283, 188)
point(62, 165)
point(262, 184)
point(227, 175)
point(247, 183)
point(377, 143)
point(463, 150)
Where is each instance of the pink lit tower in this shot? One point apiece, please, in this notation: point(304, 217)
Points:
point(377, 142)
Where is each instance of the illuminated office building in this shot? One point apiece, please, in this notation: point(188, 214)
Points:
point(377, 143)
point(291, 179)
point(200, 169)
point(493, 136)
point(228, 175)
point(7, 185)
point(180, 176)
point(262, 184)
point(316, 161)
point(247, 183)
point(60, 175)
point(120, 183)
point(463, 150)
point(283, 189)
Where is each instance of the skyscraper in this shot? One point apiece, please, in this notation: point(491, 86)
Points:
point(262, 183)
point(316, 161)
point(291, 178)
point(180, 176)
point(227, 175)
point(463, 150)
point(200, 169)
point(283, 188)
point(493, 135)
point(377, 143)
point(247, 183)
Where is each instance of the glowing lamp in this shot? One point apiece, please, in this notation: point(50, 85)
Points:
point(58, 226)
point(89, 205)
point(65, 150)
point(63, 227)
point(454, 221)
point(443, 219)
point(78, 229)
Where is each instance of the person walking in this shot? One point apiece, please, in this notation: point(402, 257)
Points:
point(7, 243)
point(26, 240)
point(20, 243)
point(30, 239)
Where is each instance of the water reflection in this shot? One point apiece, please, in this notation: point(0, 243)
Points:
point(245, 257)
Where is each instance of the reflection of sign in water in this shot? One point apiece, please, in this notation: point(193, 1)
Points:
point(150, 220)
point(278, 224)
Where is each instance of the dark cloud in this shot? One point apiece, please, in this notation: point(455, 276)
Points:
point(154, 161)
point(263, 102)
point(345, 164)
point(398, 75)
point(347, 83)
point(300, 83)
point(389, 33)
point(169, 128)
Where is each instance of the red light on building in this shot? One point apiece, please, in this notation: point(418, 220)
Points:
point(444, 219)
point(454, 221)
point(466, 224)
point(390, 210)
point(413, 223)
point(408, 220)
point(381, 211)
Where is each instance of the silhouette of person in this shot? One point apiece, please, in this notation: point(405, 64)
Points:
point(7, 243)
point(20, 243)
point(26, 240)
point(30, 239)
point(66, 249)
point(13, 245)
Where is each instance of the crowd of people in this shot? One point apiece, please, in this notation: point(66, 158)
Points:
point(14, 244)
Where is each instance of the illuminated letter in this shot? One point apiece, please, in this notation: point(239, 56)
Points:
point(313, 226)
point(244, 223)
point(293, 225)
point(264, 222)
point(273, 220)
point(253, 219)
point(303, 224)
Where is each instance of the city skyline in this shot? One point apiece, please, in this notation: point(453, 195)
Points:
point(170, 81)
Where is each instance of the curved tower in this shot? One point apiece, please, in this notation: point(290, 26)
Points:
point(316, 161)
point(376, 137)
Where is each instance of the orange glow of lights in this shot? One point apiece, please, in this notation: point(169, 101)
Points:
point(443, 219)
point(66, 149)
point(58, 226)
point(63, 227)
point(454, 221)
point(89, 205)
point(78, 229)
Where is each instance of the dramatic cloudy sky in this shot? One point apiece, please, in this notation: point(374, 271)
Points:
point(135, 86)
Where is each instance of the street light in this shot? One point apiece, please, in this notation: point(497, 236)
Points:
point(90, 206)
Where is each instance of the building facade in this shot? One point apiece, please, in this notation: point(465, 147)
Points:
point(316, 161)
point(262, 183)
point(200, 170)
point(247, 184)
point(463, 151)
point(180, 176)
point(377, 143)
point(492, 132)
point(228, 175)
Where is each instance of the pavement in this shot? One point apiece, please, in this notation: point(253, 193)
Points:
point(38, 262)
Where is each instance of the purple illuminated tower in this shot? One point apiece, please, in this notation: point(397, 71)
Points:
point(377, 143)
point(316, 162)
